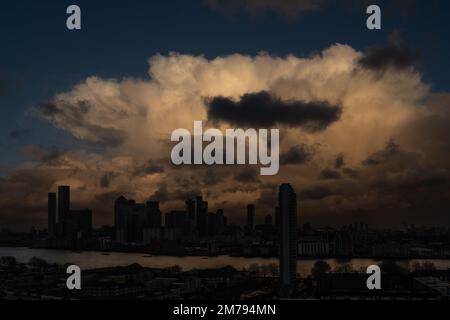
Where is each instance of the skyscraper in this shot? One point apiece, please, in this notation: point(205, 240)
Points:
point(190, 209)
point(250, 217)
point(63, 209)
point(288, 234)
point(122, 210)
point(268, 220)
point(202, 216)
point(52, 215)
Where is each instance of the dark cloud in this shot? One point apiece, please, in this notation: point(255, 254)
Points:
point(300, 154)
point(166, 193)
point(248, 175)
point(268, 198)
point(316, 192)
point(75, 116)
point(107, 197)
point(162, 194)
point(350, 172)
point(340, 161)
point(107, 178)
point(410, 179)
point(51, 156)
point(391, 154)
point(391, 56)
point(328, 174)
point(264, 110)
point(149, 168)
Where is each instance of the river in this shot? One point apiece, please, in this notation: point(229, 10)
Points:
point(92, 260)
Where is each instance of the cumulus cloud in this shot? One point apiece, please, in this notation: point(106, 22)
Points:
point(391, 129)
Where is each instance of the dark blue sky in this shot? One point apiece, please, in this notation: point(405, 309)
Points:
point(39, 57)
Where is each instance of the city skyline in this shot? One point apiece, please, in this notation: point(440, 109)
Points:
point(362, 114)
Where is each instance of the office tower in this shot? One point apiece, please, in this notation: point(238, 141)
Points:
point(123, 208)
point(250, 217)
point(154, 215)
point(52, 215)
point(268, 220)
point(190, 209)
point(79, 225)
point(140, 217)
point(277, 219)
point(177, 220)
point(63, 209)
point(288, 234)
point(132, 219)
point(221, 218)
point(201, 216)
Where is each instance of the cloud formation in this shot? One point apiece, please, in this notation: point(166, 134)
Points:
point(392, 130)
point(392, 56)
point(264, 110)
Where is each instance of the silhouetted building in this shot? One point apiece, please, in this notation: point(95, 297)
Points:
point(288, 234)
point(123, 208)
point(268, 220)
point(191, 212)
point(221, 218)
point(52, 215)
point(178, 220)
point(202, 216)
point(79, 225)
point(131, 219)
point(250, 217)
point(277, 219)
point(63, 209)
point(74, 227)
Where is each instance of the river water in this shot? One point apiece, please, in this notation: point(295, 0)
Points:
point(91, 260)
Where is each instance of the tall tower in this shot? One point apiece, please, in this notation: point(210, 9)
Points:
point(288, 234)
point(250, 217)
point(190, 209)
point(63, 209)
point(122, 210)
point(52, 215)
point(202, 216)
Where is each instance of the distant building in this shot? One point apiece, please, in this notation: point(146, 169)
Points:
point(201, 216)
point(250, 217)
point(191, 212)
point(63, 209)
point(179, 221)
point(288, 234)
point(313, 248)
point(268, 220)
point(131, 219)
point(79, 225)
point(222, 220)
point(74, 227)
point(52, 227)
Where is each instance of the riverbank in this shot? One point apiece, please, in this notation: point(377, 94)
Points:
point(98, 259)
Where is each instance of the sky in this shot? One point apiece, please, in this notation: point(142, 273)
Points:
point(95, 108)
